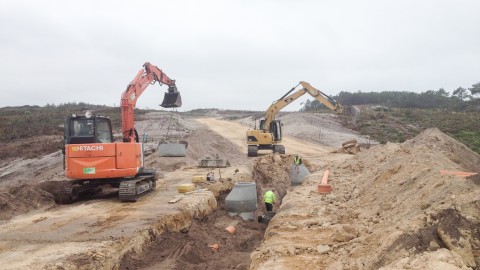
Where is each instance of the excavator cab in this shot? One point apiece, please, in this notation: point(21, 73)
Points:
point(172, 98)
point(275, 129)
point(88, 128)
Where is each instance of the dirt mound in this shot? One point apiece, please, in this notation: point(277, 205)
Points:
point(190, 249)
point(21, 199)
point(322, 128)
point(201, 144)
point(458, 153)
point(400, 195)
point(390, 209)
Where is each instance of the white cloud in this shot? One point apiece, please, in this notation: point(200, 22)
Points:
point(233, 54)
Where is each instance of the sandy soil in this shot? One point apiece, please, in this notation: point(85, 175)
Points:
point(390, 208)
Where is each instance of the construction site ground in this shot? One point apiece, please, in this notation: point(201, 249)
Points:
point(390, 208)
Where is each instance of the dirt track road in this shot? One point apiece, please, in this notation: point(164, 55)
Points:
point(69, 234)
point(235, 132)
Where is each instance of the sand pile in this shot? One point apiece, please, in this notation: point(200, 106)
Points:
point(390, 208)
point(22, 199)
point(408, 209)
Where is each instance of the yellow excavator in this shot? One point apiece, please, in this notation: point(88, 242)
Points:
point(269, 134)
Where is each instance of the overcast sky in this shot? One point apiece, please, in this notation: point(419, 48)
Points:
point(233, 54)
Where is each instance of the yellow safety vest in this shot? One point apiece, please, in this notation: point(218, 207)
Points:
point(269, 197)
point(297, 160)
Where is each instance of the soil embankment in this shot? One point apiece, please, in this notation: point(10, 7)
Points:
point(390, 208)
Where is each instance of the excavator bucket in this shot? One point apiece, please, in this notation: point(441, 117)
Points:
point(172, 98)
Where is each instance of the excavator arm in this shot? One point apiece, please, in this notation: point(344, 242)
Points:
point(146, 76)
point(289, 98)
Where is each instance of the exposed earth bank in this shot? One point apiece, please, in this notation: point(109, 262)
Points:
point(391, 208)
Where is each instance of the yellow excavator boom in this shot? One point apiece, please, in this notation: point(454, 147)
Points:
point(287, 99)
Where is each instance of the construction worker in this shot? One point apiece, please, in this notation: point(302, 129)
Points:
point(210, 176)
point(269, 198)
point(297, 160)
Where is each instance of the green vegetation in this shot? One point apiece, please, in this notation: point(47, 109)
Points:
point(399, 125)
point(30, 121)
point(399, 116)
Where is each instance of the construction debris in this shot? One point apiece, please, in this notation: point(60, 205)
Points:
point(198, 179)
point(349, 147)
point(214, 162)
point(461, 174)
point(176, 199)
point(184, 188)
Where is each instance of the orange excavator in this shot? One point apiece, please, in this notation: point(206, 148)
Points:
point(91, 156)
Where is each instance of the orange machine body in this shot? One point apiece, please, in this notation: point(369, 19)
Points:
point(103, 160)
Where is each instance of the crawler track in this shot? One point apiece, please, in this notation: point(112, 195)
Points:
point(66, 192)
point(131, 190)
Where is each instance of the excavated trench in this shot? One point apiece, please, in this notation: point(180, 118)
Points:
point(191, 247)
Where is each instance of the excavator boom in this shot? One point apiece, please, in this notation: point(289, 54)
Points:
point(146, 76)
point(287, 99)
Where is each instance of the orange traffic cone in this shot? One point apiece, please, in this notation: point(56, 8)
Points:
point(324, 187)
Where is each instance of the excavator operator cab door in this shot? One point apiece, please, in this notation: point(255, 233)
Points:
point(276, 130)
point(262, 124)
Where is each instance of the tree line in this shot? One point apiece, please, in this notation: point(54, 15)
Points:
point(461, 99)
